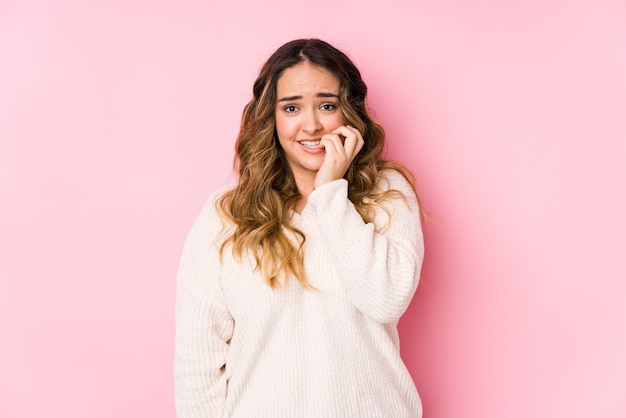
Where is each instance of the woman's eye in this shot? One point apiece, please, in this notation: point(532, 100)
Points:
point(328, 106)
point(290, 109)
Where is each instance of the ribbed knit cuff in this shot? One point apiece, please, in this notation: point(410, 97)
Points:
point(320, 197)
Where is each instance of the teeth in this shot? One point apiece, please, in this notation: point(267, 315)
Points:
point(310, 144)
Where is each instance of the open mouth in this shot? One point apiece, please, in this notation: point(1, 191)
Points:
point(310, 144)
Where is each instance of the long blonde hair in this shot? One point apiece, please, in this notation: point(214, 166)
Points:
point(259, 206)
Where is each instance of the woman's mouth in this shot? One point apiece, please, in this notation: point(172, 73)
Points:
point(311, 144)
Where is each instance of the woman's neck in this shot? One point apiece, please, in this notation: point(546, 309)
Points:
point(305, 187)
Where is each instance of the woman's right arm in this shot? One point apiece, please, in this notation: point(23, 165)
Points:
point(204, 325)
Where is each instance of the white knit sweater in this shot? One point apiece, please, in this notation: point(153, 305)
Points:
point(245, 350)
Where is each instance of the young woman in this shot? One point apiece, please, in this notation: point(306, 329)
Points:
point(292, 281)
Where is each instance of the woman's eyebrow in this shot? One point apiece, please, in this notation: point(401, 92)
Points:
point(321, 94)
point(326, 95)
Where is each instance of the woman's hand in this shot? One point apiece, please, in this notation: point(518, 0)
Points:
point(339, 154)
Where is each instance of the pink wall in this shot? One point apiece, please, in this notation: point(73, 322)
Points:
point(117, 119)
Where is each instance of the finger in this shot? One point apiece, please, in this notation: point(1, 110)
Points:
point(349, 132)
point(358, 134)
point(349, 138)
point(343, 130)
point(353, 142)
point(359, 145)
point(332, 143)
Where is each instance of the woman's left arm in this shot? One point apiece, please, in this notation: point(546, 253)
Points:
point(379, 268)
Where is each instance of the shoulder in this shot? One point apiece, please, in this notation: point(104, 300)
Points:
point(396, 190)
point(392, 179)
point(210, 220)
point(210, 208)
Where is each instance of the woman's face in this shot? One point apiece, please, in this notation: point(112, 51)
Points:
point(307, 107)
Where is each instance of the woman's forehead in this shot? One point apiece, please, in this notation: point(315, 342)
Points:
point(306, 78)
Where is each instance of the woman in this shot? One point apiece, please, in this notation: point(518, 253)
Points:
point(292, 281)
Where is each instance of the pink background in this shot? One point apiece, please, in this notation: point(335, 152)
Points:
point(117, 119)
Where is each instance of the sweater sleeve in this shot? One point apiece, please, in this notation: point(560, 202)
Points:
point(204, 325)
point(379, 265)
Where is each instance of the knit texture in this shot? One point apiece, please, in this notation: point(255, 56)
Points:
point(246, 350)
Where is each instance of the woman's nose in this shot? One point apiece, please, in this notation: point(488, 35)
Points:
point(311, 122)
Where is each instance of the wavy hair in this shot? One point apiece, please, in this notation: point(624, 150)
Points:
point(259, 206)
